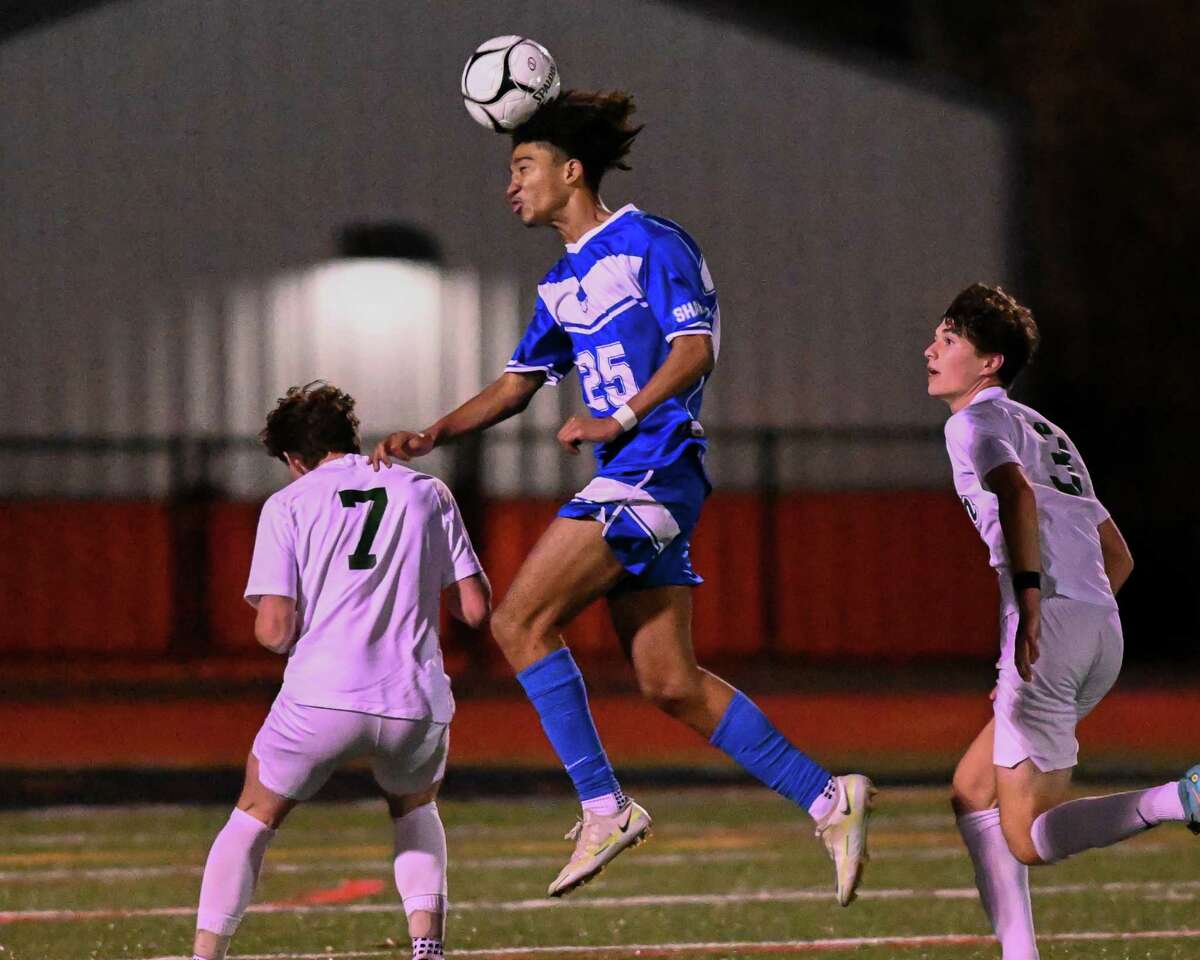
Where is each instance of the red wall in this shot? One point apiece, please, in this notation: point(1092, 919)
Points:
point(84, 577)
point(888, 574)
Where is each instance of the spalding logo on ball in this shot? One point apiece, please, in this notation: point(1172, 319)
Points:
point(506, 79)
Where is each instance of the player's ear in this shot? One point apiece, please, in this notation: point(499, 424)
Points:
point(573, 173)
point(992, 364)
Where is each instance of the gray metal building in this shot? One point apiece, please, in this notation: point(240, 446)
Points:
point(173, 174)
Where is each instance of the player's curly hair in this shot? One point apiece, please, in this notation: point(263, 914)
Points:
point(591, 127)
point(994, 322)
point(311, 421)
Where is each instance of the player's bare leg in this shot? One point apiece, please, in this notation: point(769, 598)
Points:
point(570, 566)
point(655, 630)
point(973, 788)
point(420, 868)
point(231, 872)
point(654, 626)
point(1002, 880)
point(1025, 793)
point(1042, 826)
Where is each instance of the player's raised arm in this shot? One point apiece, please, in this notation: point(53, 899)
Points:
point(690, 358)
point(509, 394)
point(1118, 561)
point(1019, 522)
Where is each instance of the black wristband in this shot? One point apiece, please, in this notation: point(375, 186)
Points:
point(1027, 580)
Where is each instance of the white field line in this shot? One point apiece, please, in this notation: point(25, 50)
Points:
point(119, 828)
point(1186, 890)
point(920, 853)
point(746, 946)
point(351, 866)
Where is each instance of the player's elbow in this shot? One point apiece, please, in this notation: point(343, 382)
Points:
point(275, 638)
point(276, 632)
point(474, 606)
point(476, 615)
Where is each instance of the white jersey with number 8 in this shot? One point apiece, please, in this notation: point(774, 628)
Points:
point(366, 556)
point(993, 430)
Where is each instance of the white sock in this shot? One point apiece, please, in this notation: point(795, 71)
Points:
point(1162, 804)
point(1091, 822)
point(420, 864)
point(1003, 883)
point(606, 805)
point(231, 873)
point(826, 801)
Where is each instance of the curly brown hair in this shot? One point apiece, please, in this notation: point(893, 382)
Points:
point(310, 422)
point(591, 127)
point(994, 322)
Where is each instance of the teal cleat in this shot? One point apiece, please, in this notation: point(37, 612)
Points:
point(1189, 793)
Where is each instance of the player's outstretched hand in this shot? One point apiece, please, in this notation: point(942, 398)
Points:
point(579, 430)
point(1027, 647)
point(403, 445)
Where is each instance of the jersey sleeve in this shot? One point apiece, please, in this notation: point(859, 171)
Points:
point(274, 570)
point(461, 560)
point(678, 287)
point(545, 346)
point(981, 441)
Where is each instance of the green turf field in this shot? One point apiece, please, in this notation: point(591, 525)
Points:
point(724, 867)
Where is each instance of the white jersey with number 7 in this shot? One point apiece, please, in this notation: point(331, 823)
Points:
point(366, 556)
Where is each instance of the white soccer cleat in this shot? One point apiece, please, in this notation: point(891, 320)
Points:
point(599, 838)
point(844, 832)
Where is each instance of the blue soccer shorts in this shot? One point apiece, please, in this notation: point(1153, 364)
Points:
point(648, 518)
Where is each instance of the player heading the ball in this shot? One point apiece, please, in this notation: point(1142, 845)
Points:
point(631, 306)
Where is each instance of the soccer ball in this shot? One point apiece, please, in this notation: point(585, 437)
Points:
point(506, 79)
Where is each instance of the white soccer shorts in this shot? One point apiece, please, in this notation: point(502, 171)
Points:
point(1081, 650)
point(299, 747)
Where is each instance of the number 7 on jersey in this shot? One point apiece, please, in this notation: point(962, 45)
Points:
point(362, 558)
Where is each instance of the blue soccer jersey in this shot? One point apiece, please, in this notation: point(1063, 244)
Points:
point(610, 308)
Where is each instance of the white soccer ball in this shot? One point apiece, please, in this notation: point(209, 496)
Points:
point(506, 79)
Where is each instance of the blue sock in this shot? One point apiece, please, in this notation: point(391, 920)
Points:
point(751, 739)
point(555, 687)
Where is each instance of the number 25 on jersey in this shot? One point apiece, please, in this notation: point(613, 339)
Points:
point(605, 374)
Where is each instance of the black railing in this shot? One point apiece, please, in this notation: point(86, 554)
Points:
point(191, 457)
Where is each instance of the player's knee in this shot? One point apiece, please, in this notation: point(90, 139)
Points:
point(1025, 852)
point(970, 793)
point(268, 814)
point(674, 696)
point(403, 805)
point(509, 626)
point(1020, 843)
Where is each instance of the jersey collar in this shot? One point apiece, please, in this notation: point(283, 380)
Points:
point(579, 244)
point(347, 460)
point(988, 393)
